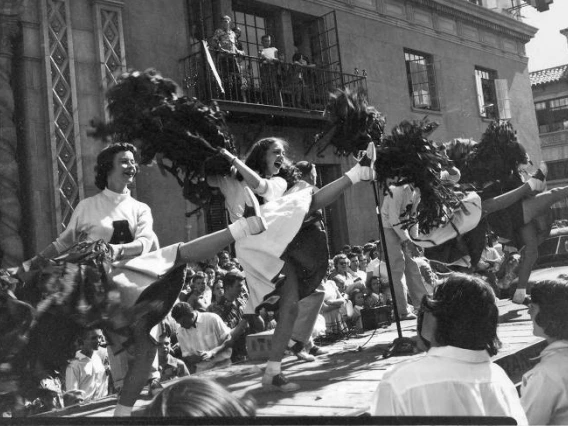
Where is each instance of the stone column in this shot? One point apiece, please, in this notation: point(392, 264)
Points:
point(11, 247)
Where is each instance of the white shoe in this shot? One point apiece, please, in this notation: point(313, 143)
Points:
point(367, 163)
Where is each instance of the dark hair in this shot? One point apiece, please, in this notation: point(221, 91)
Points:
point(256, 160)
point(180, 310)
point(551, 296)
point(232, 277)
point(105, 161)
point(466, 313)
point(354, 293)
point(199, 397)
point(304, 167)
point(265, 36)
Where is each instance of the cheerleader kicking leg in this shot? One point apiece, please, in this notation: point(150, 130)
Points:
point(363, 171)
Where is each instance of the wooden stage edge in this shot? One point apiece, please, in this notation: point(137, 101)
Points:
point(342, 382)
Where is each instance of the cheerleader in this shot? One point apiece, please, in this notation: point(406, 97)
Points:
point(268, 173)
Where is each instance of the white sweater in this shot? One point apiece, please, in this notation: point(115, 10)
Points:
point(94, 217)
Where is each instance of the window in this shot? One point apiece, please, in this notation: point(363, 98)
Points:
point(486, 93)
point(552, 115)
point(421, 80)
point(557, 170)
point(252, 27)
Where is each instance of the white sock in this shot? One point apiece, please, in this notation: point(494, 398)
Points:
point(273, 368)
point(354, 174)
point(122, 411)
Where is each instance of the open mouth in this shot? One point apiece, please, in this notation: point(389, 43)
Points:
point(278, 164)
point(130, 174)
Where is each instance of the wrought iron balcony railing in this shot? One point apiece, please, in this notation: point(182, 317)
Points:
point(247, 79)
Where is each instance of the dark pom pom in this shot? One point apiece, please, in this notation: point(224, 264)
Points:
point(148, 110)
point(352, 123)
point(408, 156)
point(496, 158)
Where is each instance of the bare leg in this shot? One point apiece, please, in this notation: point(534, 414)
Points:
point(329, 193)
point(505, 200)
point(137, 375)
point(288, 313)
point(529, 256)
point(540, 203)
point(204, 247)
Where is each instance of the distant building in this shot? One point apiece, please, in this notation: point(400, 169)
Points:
point(457, 61)
point(550, 91)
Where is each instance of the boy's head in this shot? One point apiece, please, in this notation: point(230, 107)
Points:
point(549, 308)
point(461, 313)
point(266, 40)
point(199, 281)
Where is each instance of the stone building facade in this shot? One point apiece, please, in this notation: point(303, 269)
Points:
point(456, 61)
point(550, 91)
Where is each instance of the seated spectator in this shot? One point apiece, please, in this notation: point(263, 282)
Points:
point(342, 276)
point(358, 274)
point(224, 259)
point(86, 372)
point(200, 295)
point(210, 275)
point(204, 339)
point(331, 309)
point(268, 319)
point(231, 308)
point(381, 289)
point(456, 377)
point(357, 299)
point(170, 366)
point(372, 301)
point(544, 390)
point(217, 293)
point(376, 267)
point(198, 397)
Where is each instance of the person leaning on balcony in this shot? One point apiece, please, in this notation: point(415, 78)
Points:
point(225, 42)
point(269, 71)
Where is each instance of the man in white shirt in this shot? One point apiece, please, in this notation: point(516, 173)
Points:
point(456, 377)
point(544, 391)
point(397, 208)
point(204, 339)
point(87, 372)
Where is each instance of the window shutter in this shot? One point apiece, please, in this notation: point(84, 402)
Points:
point(434, 98)
point(216, 216)
point(480, 101)
point(503, 102)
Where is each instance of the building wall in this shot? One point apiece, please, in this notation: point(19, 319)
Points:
point(372, 36)
point(154, 36)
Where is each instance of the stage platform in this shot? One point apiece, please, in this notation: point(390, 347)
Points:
point(342, 382)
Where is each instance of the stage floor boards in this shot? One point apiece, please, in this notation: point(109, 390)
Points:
point(342, 382)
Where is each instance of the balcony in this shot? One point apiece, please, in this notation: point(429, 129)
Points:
point(247, 84)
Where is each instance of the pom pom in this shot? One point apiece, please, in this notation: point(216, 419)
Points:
point(407, 156)
point(352, 123)
point(149, 111)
